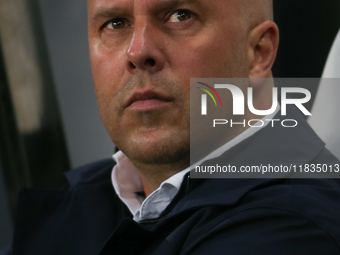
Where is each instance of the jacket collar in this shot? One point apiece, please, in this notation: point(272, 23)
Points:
point(274, 146)
point(93, 173)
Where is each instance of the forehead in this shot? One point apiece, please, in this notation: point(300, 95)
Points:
point(95, 5)
point(226, 11)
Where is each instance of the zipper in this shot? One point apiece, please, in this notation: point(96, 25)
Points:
point(188, 185)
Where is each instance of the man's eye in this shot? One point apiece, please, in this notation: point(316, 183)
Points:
point(116, 24)
point(179, 16)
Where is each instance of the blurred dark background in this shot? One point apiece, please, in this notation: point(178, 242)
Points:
point(307, 31)
point(49, 120)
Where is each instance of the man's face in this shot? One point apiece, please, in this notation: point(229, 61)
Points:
point(144, 53)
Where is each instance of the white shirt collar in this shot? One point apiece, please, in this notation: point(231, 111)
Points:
point(127, 182)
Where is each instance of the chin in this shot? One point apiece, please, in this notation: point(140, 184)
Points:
point(158, 149)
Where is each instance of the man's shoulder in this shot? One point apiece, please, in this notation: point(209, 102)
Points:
point(89, 174)
point(267, 230)
point(275, 216)
point(81, 211)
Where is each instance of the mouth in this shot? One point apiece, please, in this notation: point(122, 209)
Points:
point(147, 100)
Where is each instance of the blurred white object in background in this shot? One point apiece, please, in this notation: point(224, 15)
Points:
point(325, 118)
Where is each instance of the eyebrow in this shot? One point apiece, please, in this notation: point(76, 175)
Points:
point(171, 4)
point(107, 12)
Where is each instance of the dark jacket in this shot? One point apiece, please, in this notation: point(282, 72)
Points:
point(208, 216)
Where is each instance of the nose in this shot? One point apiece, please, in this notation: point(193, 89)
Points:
point(145, 50)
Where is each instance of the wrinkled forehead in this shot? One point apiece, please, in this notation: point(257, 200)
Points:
point(253, 11)
point(94, 5)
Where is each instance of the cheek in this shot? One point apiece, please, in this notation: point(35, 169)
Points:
point(106, 70)
point(107, 77)
point(107, 61)
point(206, 57)
point(218, 53)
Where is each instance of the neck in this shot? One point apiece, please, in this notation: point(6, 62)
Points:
point(154, 174)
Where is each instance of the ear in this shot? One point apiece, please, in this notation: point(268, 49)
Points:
point(263, 43)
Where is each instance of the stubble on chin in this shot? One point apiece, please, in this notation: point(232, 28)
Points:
point(148, 137)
